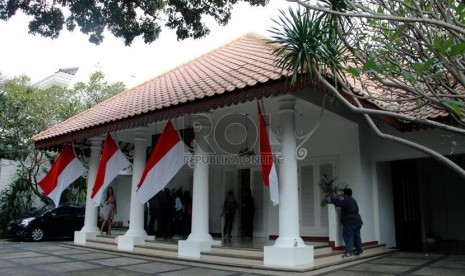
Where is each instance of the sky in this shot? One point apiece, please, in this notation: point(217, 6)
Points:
point(39, 57)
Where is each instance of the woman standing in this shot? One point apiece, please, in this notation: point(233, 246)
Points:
point(109, 211)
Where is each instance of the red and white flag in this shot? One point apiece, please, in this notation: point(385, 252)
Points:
point(270, 178)
point(66, 169)
point(167, 158)
point(111, 163)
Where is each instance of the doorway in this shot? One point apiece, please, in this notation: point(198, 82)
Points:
point(250, 179)
point(406, 206)
point(244, 182)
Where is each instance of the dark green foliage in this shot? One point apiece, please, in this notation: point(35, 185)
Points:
point(411, 51)
point(15, 201)
point(26, 110)
point(308, 44)
point(124, 19)
point(76, 192)
point(329, 187)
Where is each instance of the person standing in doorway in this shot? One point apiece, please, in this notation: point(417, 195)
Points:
point(248, 212)
point(229, 211)
point(109, 210)
point(169, 215)
point(187, 212)
point(156, 204)
point(351, 222)
point(178, 218)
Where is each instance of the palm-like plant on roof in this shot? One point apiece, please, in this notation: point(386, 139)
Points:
point(309, 44)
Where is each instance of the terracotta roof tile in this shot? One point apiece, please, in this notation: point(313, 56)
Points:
point(244, 62)
point(388, 99)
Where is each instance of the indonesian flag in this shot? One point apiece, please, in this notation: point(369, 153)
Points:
point(167, 158)
point(270, 178)
point(66, 169)
point(111, 163)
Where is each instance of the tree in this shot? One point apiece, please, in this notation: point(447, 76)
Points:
point(96, 90)
point(404, 56)
point(15, 201)
point(124, 19)
point(27, 110)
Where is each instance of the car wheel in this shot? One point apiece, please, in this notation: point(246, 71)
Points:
point(37, 234)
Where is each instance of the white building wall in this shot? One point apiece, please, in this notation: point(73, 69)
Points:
point(368, 187)
point(385, 205)
point(122, 189)
point(435, 139)
point(431, 180)
point(338, 137)
point(216, 190)
point(8, 170)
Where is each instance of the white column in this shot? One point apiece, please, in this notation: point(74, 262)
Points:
point(199, 226)
point(289, 249)
point(200, 239)
point(136, 234)
point(90, 229)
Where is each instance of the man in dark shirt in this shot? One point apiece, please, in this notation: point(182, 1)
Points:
point(156, 210)
point(229, 210)
point(351, 222)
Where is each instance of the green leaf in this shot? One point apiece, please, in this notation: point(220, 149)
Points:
point(448, 43)
point(354, 71)
point(438, 45)
point(460, 8)
point(457, 50)
point(399, 31)
point(372, 65)
point(456, 106)
point(408, 75)
point(419, 67)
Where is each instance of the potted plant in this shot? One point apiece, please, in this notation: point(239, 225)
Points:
point(329, 187)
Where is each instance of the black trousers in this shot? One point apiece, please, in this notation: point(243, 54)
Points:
point(228, 223)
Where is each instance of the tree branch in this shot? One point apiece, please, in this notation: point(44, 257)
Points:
point(382, 17)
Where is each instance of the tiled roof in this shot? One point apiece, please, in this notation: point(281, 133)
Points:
point(396, 100)
point(241, 70)
point(244, 62)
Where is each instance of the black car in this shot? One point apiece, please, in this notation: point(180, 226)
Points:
point(48, 222)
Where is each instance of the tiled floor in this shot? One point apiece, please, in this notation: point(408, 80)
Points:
point(54, 258)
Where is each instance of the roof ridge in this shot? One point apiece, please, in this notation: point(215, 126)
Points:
point(250, 34)
point(215, 72)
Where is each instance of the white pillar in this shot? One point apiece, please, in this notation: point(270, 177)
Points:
point(200, 239)
point(90, 229)
point(335, 227)
point(289, 249)
point(136, 234)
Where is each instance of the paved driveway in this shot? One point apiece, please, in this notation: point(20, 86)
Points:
point(57, 258)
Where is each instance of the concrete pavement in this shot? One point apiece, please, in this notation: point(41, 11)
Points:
point(62, 258)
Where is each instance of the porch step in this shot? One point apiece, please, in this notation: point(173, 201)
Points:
point(106, 239)
point(341, 251)
point(154, 252)
point(255, 253)
point(105, 245)
point(240, 257)
point(336, 259)
point(168, 246)
point(322, 258)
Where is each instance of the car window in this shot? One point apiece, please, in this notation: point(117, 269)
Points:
point(61, 211)
point(42, 210)
point(79, 211)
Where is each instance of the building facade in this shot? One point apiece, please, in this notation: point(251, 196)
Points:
point(404, 197)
